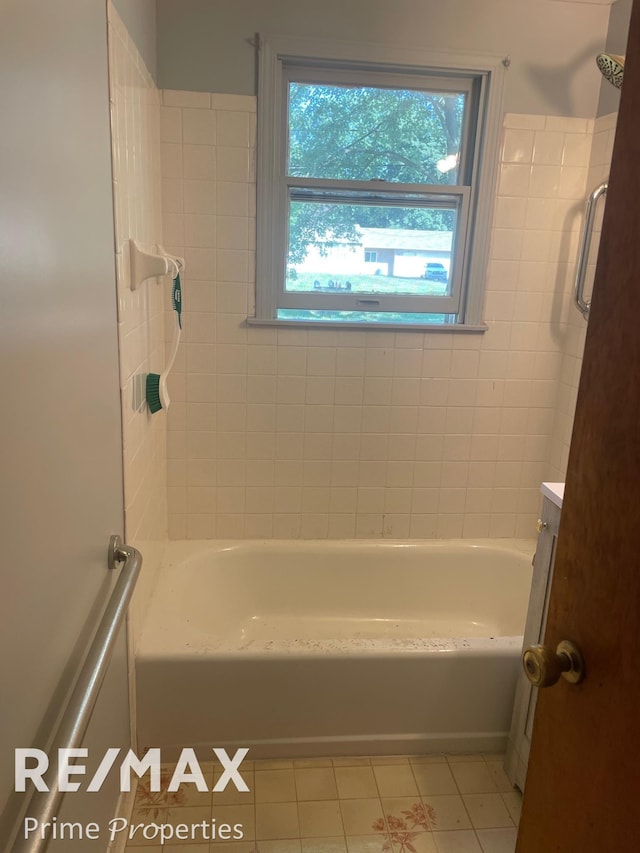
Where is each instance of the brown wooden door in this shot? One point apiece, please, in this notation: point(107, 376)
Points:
point(583, 784)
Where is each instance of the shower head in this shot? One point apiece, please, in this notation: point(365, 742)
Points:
point(611, 66)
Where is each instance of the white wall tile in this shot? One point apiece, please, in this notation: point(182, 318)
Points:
point(369, 433)
point(548, 147)
point(198, 126)
point(170, 124)
point(517, 146)
point(172, 98)
point(514, 180)
point(199, 162)
point(524, 122)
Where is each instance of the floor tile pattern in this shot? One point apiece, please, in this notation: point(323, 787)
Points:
point(397, 804)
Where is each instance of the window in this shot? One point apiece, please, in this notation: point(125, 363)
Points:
point(374, 186)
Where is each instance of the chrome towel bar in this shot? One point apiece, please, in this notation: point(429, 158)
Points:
point(43, 805)
point(583, 252)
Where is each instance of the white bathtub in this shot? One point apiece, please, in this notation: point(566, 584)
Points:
point(310, 648)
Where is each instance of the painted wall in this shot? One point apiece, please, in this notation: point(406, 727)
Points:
point(60, 428)
point(139, 19)
point(206, 46)
point(327, 433)
point(616, 43)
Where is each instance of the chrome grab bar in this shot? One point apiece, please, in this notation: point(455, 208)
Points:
point(583, 252)
point(44, 805)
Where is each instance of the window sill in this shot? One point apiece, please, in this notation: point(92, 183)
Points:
point(479, 328)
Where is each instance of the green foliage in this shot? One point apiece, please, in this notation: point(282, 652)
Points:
point(368, 134)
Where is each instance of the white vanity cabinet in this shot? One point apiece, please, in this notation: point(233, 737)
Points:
point(525, 702)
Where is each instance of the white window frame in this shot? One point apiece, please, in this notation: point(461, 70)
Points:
point(474, 201)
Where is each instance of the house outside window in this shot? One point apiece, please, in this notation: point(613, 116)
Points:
point(375, 182)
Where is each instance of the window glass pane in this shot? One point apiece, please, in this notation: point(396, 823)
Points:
point(380, 249)
point(394, 317)
point(367, 134)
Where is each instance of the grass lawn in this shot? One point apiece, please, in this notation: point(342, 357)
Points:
point(367, 284)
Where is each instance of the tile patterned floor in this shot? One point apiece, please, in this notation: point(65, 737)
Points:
point(424, 804)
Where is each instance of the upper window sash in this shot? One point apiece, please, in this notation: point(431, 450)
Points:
point(425, 83)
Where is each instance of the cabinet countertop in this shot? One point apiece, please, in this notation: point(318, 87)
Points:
point(553, 491)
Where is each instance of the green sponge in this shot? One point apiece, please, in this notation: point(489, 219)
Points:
point(153, 392)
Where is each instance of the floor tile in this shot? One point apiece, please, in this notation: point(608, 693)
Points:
point(147, 848)
point(139, 843)
point(209, 768)
point(167, 771)
point(324, 845)
point(281, 845)
point(473, 778)
point(148, 813)
point(275, 786)
point(434, 779)
point(277, 820)
point(367, 843)
point(189, 814)
point(500, 778)
point(408, 813)
point(316, 783)
point(432, 803)
point(395, 780)
point(380, 760)
point(487, 810)
point(320, 818)
point(191, 796)
point(362, 817)
point(513, 802)
point(498, 840)
point(273, 764)
point(244, 816)
point(436, 758)
point(448, 812)
point(356, 782)
point(231, 795)
point(421, 842)
point(457, 842)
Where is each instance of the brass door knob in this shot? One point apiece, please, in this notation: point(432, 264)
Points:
point(543, 667)
point(541, 525)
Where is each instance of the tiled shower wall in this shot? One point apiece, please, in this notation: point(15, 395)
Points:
point(290, 432)
point(575, 333)
point(135, 134)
